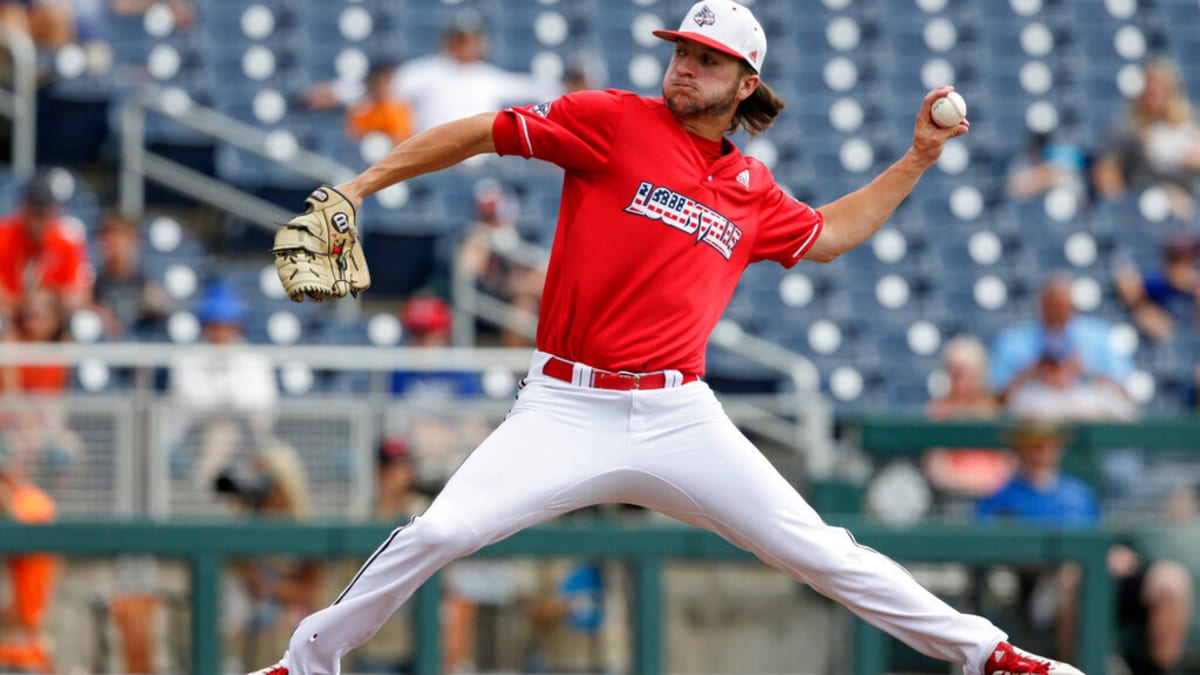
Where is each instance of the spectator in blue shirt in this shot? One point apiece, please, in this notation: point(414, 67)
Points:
point(1015, 351)
point(1154, 597)
point(1162, 298)
point(1039, 492)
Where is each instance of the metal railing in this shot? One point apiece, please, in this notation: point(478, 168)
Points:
point(154, 443)
point(207, 546)
point(139, 164)
point(20, 104)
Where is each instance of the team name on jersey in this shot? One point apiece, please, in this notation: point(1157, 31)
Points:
point(684, 213)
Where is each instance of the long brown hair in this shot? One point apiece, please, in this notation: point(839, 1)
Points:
point(757, 111)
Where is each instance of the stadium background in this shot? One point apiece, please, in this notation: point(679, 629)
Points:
point(959, 257)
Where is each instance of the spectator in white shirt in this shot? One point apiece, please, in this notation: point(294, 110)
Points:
point(456, 82)
point(226, 398)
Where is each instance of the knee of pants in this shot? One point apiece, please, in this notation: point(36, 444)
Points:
point(443, 537)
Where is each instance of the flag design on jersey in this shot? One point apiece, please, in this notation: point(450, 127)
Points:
point(686, 214)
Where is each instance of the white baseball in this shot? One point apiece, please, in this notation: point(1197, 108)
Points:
point(949, 110)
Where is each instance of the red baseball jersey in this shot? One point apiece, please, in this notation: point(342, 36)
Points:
point(655, 228)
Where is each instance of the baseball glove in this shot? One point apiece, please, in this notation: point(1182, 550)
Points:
point(318, 253)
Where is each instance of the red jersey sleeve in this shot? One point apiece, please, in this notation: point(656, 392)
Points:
point(787, 228)
point(574, 131)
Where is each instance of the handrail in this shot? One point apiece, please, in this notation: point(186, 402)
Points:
point(332, 357)
point(138, 163)
point(206, 546)
point(21, 103)
point(469, 303)
point(894, 436)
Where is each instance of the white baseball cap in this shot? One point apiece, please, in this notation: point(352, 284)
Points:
point(724, 26)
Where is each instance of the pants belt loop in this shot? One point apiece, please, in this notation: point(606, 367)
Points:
point(582, 375)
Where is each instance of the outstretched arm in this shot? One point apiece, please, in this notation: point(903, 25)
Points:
point(431, 150)
point(851, 219)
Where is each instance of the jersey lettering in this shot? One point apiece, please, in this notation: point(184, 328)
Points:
point(686, 214)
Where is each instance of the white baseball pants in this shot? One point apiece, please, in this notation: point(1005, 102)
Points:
point(674, 450)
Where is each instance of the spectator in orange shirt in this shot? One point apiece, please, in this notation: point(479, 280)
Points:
point(37, 250)
point(380, 111)
point(38, 423)
point(31, 575)
point(38, 317)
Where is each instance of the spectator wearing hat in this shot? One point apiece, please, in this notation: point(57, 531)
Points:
point(1154, 597)
point(1160, 299)
point(39, 250)
point(1016, 352)
point(439, 429)
point(426, 321)
point(483, 258)
point(31, 576)
point(1058, 387)
point(227, 395)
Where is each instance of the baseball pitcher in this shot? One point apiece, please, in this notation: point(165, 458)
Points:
point(660, 215)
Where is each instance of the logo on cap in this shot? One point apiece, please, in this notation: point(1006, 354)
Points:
point(705, 17)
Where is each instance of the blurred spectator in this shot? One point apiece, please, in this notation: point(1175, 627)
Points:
point(397, 497)
point(38, 250)
point(397, 500)
point(182, 11)
point(280, 590)
point(1016, 350)
point(1153, 597)
point(440, 430)
point(1156, 142)
point(125, 298)
point(1057, 387)
point(483, 257)
point(38, 318)
point(379, 111)
point(1161, 298)
point(965, 471)
point(49, 23)
point(1047, 163)
point(426, 322)
point(584, 70)
point(31, 576)
point(39, 426)
point(92, 26)
point(576, 612)
point(226, 397)
point(456, 82)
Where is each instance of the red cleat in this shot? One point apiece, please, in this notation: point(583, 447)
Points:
point(1009, 660)
point(277, 669)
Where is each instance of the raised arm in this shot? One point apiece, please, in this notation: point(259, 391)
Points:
point(852, 219)
point(432, 150)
